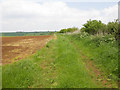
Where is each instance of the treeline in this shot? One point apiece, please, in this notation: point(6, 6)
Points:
point(68, 30)
point(95, 27)
point(26, 33)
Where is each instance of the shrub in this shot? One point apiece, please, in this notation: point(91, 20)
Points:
point(68, 30)
point(93, 27)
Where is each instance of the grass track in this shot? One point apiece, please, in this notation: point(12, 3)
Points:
point(72, 72)
point(58, 65)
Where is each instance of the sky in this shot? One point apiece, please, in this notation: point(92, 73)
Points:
point(51, 15)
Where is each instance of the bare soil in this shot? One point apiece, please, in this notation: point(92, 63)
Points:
point(16, 48)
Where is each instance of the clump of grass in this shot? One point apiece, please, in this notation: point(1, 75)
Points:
point(19, 74)
point(47, 46)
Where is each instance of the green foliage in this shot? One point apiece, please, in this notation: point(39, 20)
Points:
point(112, 28)
point(93, 27)
point(102, 49)
point(62, 31)
point(80, 35)
point(68, 30)
point(98, 40)
point(71, 71)
point(19, 75)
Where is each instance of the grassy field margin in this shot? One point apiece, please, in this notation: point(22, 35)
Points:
point(58, 65)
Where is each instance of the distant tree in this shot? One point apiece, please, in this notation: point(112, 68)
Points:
point(94, 27)
point(68, 30)
point(62, 31)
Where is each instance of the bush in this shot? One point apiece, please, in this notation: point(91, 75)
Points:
point(94, 27)
point(98, 40)
point(112, 28)
point(80, 35)
point(68, 30)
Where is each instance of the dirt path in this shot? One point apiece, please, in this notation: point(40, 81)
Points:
point(16, 48)
point(97, 75)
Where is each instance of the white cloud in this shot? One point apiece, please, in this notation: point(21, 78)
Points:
point(28, 16)
point(110, 13)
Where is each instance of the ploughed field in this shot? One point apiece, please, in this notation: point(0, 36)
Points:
point(16, 48)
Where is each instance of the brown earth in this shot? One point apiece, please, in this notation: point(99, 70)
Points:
point(16, 48)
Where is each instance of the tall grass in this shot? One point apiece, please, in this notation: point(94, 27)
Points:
point(103, 50)
point(70, 68)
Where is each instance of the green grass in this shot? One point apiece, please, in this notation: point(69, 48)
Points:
point(102, 50)
point(71, 70)
point(58, 65)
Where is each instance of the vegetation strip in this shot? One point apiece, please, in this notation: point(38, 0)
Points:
point(104, 59)
point(93, 70)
